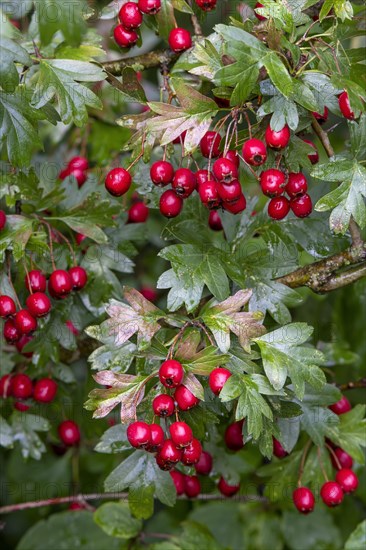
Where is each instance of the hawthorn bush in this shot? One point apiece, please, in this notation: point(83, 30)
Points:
point(182, 284)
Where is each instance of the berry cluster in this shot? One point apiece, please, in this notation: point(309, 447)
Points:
point(76, 167)
point(21, 387)
point(131, 16)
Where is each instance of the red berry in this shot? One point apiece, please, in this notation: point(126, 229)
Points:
point(22, 407)
point(180, 138)
point(36, 281)
point(272, 182)
point(344, 459)
point(149, 293)
point(11, 333)
point(125, 38)
point(161, 173)
point(214, 221)
point(171, 373)
point(7, 306)
point(321, 117)
point(6, 385)
point(150, 7)
point(25, 322)
point(185, 398)
point(118, 181)
point(208, 194)
point(296, 184)
point(78, 162)
point(181, 434)
point(184, 182)
point(342, 406)
point(229, 193)
point(179, 39)
point(60, 283)
point(79, 237)
point(22, 386)
point(2, 219)
point(254, 152)
point(163, 464)
point(304, 500)
point(278, 450)
point(206, 5)
point(69, 432)
point(170, 204)
point(192, 453)
point(348, 480)
point(45, 390)
point(169, 452)
point(226, 489)
point(277, 140)
point(139, 434)
point(236, 207)
point(156, 439)
point(78, 277)
point(74, 506)
point(345, 106)
point(331, 493)
point(301, 206)
point(258, 15)
point(192, 486)
point(204, 465)
point(233, 157)
point(210, 144)
point(178, 479)
point(163, 405)
point(224, 170)
point(218, 378)
point(38, 304)
point(23, 341)
point(313, 157)
point(130, 16)
point(278, 208)
point(202, 176)
point(138, 213)
point(234, 436)
point(79, 175)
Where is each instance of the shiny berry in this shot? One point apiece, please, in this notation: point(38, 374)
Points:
point(7, 306)
point(202, 176)
point(38, 304)
point(313, 157)
point(272, 182)
point(185, 398)
point(79, 175)
point(170, 204)
point(25, 322)
point(180, 139)
point(181, 434)
point(204, 465)
point(163, 405)
point(224, 170)
point(69, 433)
point(6, 385)
point(118, 181)
point(169, 452)
point(22, 407)
point(179, 39)
point(81, 163)
point(343, 458)
point(11, 332)
point(150, 7)
point(301, 206)
point(217, 379)
point(184, 182)
point(130, 16)
point(233, 157)
point(278, 208)
point(45, 390)
point(125, 38)
point(206, 5)
point(296, 184)
point(79, 237)
point(35, 281)
point(178, 479)
point(149, 293)
point(304, 500)
point(156, 439)
point(348, 480)
point(192, 453)
point(139, 434)
point(234, 436)
point(321, 117)
point(192, 486)
point(345, 106)
point(2, 219)
point(208, 194)
point(22, 386)
point(214, 221)
point(60, 283)
point(210, 144)
point(277, 140)
point(171, 373)
point(331, 493)
point(229, 192)
point(237, 206)
point(161, 173)
point(278, 450)
point(226, 489)
point(254, 152)
point(342, 406)
point(258, 15)
point(138, 213)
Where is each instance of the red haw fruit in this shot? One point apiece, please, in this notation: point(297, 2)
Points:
point(171, 373)
point(202, 176)
point(60, 283)
point(342, 406)
point(296, 184)
point(7, 306)
point(348, 480)
point(345, 106)
point(45, 390)
point(169, 453)
point(321, 118)
point(138, 213)
point(343, 458)
point(234, 436)
point(178, 480)
point(179, 39)
point(226, 489)
point(78, 276)
point(331, 493)
point(277, 140)
point(208, 194)
point(229, 193)
point(35, 281)
point(79, 163)
point(69, 433)
point(22, 386)
point(272, 182)
point(204, 465)
point(139, 434)
point(150, 7)
point(38, 304)
point(313, 157)
point(118, 181)
point(304, 500)
point(125, 38)
point(278, 450)
point(206, 5)
point(192, 453)
point(184, 182)
point(258, 15)
point(170, 204)
point(236, 207)
point(214, 221)
point(2, 219)
point(161, 173)
point(218, 378)
point(254, 152)
point(163, 405)
point(25, 322)
point(130, 15)
point(210, 144)
point(181, 434)
point(225, 170)
point(156, 439)
point(301, 206)
point(192, 486)
point(11, 332)
point(278, 208)
point(185, 398)
point(233, 157)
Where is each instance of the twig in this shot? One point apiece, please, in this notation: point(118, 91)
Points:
point(303, 459)
point(353, 385)
point(140, 62)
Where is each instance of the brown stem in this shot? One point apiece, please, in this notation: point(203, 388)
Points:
point(140, 62)
point(335, 458)
point(323, 136)
point(176, 339)
point(353, 385)
point(303, 459)
point(196, 25)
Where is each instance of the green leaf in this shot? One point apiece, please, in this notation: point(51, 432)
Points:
point(11, 53)
point(15, 235)
point(283, 474)
point(141, 501)
point(278, 74)
point(59, 79)
point(358, 137)
point(24, 428)
point(115, 519)
point(317, 530)
point(128, 86)
point(55, 15)
point(165, 19)
point(349, 433)
point(357, 539)
point(114, 440)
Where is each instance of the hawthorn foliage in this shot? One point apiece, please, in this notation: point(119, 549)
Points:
point(98, 289)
